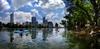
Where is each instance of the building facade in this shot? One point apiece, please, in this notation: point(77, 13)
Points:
point(34, 21)
point(12, 18)
point(45, 22)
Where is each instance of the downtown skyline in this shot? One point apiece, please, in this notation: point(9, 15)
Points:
point(51, 9)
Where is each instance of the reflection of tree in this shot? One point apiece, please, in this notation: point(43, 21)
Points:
point(56, 29)
point(75, 43)
point(46, 31)
point(50, 30)
point(65, 32)
point(34, 33)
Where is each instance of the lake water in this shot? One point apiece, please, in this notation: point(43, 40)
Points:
point(45, 38)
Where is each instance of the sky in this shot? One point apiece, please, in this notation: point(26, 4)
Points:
point(53, 10)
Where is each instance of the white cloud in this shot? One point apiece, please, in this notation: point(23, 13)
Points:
point(34, 12)
point(21, 17)
point(6, 18)
point(54, 4)
point(4, 5)
point(49, 6)
point(49, 16)
point(30, 4)
point(18, 3)
point(39, 3)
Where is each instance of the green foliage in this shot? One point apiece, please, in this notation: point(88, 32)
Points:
point(82, 12)
point(64, 23)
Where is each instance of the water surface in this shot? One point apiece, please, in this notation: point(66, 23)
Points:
point(45, 38)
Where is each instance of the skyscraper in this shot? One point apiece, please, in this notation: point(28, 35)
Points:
point(34, 21)
point(44, 20)
point(12, 18)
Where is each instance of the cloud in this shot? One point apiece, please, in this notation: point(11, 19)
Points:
point(49, 16)
point(53, 10)
point(25, 8)
point(34, 12)
point(30, 4)
point(53, 4)
point(39, 3)
point(48, 3)
point(21, 17)
point(4, 5)
point(18, 3)
point(4, 17)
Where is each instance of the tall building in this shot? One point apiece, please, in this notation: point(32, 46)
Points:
point(12, 18)
point(34, 21)
point(44, 20)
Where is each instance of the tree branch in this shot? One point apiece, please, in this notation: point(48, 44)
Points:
point(86, 12)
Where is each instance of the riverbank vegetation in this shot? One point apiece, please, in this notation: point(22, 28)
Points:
point(27, 26)
point(83, 19)
point(82, 14)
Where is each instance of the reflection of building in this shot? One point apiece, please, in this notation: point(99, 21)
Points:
point(12, 18)
point(21, 36)
point(34, 21)
point(50, 24)
point(46, 32)
point(34, 33)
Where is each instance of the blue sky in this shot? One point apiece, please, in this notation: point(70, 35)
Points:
point(53, 10)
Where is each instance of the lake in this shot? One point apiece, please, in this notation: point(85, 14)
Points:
point(45, 38)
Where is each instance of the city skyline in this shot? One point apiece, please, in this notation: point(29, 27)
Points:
point(53, 10)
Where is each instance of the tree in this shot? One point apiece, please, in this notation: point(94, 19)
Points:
point(82, 12)
point(96, 9)
point(56, 25)
point(64, 23)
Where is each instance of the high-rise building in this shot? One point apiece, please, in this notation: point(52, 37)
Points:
point(12, 18)
point(34, 21)
point(44, 20)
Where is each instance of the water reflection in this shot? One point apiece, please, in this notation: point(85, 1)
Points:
point(46, 32)
point(11, 37)
point(45, 38)
point(4, 37)
point(56, 29)
point(38, 35)
point(34, 33)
